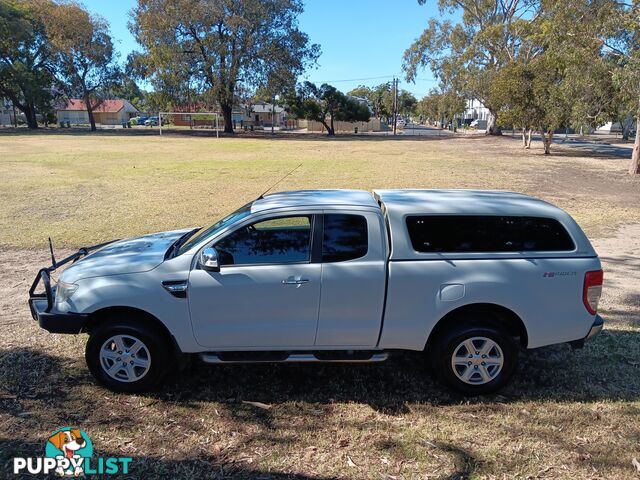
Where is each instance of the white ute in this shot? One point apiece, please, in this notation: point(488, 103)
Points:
point(468, 277)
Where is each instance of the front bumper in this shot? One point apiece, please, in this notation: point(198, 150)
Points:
point(56, 322)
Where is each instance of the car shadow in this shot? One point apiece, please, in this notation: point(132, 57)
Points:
point(607, 368)
point(40, 392)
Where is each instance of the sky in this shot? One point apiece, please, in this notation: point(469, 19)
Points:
point(362, 41)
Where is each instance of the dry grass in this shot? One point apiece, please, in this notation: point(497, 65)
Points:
point(567, 415)
point(80, 189)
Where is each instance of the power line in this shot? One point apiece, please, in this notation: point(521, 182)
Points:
point(369, 78)
point(354, 79)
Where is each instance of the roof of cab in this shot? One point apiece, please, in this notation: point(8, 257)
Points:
point(315, 198)
point(461, 202)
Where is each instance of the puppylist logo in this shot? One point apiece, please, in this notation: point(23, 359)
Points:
point(69, 453)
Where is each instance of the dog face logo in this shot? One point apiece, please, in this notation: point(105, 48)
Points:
point(70, 446)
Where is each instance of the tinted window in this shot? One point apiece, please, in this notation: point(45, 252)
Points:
point(487, 234)
point(345, 237)
point(279, 240)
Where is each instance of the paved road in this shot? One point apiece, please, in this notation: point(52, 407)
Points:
point(423, 130)
point(593, 148)
point(585, 147)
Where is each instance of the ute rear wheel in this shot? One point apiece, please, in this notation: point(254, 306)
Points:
point(476, 356)
point(127, 356)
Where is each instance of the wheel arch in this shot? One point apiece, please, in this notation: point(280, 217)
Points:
point(506, 317)
point(104, 315)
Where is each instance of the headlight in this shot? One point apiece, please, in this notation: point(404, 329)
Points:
point(64, 291)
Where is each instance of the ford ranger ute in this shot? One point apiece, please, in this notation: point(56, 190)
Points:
point(468, 277)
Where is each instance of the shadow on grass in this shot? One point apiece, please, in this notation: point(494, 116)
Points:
point(145, 466)
point(608, 368)
point(38, 388)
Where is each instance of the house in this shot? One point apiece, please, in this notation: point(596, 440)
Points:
point(109, 112)
point(258, 114)
point(475, 110)
point(6, 112)
point(267, 114)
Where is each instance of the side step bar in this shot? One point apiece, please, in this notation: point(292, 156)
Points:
point(293, 357)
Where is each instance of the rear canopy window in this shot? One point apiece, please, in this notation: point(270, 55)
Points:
point(477, 234)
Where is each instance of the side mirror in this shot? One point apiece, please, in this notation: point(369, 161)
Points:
point(209, 260)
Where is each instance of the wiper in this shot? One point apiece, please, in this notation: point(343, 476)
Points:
point(175, 246)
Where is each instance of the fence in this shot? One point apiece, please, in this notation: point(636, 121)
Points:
point(373, 125)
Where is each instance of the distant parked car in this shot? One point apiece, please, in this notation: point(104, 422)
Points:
point(153, 122)
point(139, 120)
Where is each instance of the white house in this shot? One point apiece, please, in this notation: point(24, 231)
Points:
point(6, 112)
point(109, 112)
point(475, 110)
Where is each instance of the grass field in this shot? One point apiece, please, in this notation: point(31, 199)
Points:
point(80, 189)
point(569, 415)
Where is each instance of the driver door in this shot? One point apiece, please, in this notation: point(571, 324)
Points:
point(267, 292)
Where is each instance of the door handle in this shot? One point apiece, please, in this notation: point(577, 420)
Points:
point(295, 281)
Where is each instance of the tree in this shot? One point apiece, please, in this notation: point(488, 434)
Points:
point(601, 38)
point(126, 88)
point(25, 57)
point(441, 107)
point(380, 99)
point(532, 97)
point(325, 104)
point(406, 103)
point(84, 51)
point(466, 56)
point(218, 46)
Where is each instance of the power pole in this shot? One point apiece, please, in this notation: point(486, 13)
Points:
point(395, 104)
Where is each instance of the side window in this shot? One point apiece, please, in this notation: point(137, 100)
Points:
point(273, 241)
point(345, 237)
point(476, 234)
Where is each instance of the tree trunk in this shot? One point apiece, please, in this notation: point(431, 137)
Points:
point(492, 126)
point(634, 168)
point(526, 138)
point(227, 116)
point(626, 127)
point(92, 119)
point(547, 137)
point(331, 131)
point(90, 107)
point(30, 114)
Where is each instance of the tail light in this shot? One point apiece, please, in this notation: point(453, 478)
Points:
point(592, 290)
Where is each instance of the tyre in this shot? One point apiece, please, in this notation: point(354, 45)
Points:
point(475, 356)
point(127, 355)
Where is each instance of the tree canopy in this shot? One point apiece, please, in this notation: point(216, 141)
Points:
point(467, 55)
point(217, 48)
point(84, 53)
point(326, 104)
point(26, 58)
point(381, 100)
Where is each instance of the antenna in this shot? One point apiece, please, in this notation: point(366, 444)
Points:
point(53, 258)
point(278, 182)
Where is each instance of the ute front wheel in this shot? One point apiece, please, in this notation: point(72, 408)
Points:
point(127, 356)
